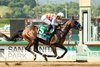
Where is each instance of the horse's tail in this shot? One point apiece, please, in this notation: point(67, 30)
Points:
point(5, 36)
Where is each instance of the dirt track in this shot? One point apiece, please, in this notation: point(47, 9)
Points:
point(50, 64)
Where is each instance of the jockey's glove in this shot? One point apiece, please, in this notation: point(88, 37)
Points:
point(60, 24)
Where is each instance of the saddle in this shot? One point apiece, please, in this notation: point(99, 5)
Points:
point(42, 33)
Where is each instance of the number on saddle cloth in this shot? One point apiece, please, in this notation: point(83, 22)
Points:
point(41, 32)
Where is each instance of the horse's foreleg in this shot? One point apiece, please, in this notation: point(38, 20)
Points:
point(62, 47)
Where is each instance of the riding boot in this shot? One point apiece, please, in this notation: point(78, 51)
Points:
point(54, 27)
point(47, 39)
point(48, 29)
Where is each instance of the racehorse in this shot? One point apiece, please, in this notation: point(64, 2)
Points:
point(17, 36)
point(57, 40)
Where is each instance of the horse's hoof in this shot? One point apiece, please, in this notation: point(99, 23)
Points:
point(46, 59)
point(45, 56)
point(18, 63)
point(34, 57)
point(6, 63)
point(58, 57)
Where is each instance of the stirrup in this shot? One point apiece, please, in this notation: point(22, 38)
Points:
point(47, 41)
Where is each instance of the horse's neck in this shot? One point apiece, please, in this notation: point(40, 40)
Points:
point(64, 33)
point(66, 28)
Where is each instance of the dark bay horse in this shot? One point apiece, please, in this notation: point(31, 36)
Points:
point(30, 35)
point(17, 36)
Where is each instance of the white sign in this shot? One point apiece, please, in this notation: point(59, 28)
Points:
point(94, 56)
point(18, 53)
point(85, 27)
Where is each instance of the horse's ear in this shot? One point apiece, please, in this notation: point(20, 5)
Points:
point(72, 17)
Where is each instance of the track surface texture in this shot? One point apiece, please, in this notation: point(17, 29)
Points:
point(49, 64)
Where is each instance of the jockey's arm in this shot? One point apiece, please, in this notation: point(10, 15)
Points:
point(57, 22)
point(54, 22)
point(44, 19)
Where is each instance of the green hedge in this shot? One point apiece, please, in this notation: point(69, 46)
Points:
point(4, 21)
point(12, 42)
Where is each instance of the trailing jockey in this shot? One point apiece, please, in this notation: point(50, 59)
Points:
point(52, 21)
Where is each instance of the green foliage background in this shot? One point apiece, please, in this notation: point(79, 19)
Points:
point(16, 8)
point(29, 8)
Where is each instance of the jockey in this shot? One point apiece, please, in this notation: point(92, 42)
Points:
point(52, 21)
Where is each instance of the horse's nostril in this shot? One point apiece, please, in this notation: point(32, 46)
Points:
point(82, 27)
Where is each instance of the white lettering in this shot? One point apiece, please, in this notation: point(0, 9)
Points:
point(16, 48)
point(94, 54)
point(44, 49)
point(16, 52)
point(16, 55)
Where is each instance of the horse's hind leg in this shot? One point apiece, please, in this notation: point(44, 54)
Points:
point(28, 48)
point(62, 47)
point(37, 51)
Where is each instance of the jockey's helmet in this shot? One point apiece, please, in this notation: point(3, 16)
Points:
point(60, 14)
